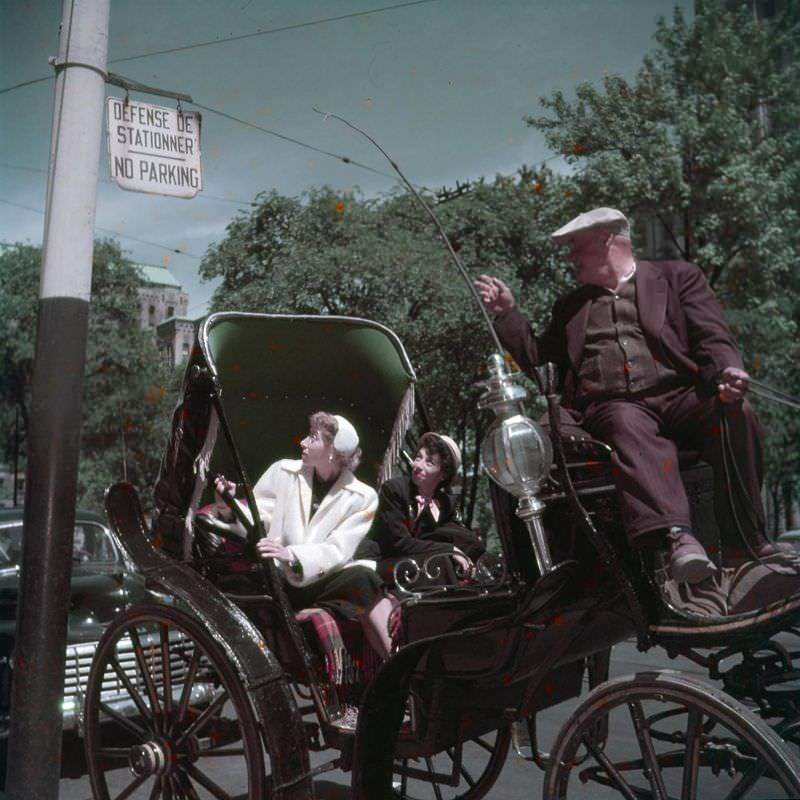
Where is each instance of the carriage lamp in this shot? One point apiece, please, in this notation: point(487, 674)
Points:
point(517, 452)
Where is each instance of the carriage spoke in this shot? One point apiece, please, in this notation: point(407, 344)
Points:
point(691, 766)
point(124, 722)
point(613, 773)
point(176, 790)
point(147, 676)
point(489, 748)
point(185, 785)
point(155, 791)
point(131, 787)
point(204, 718)
point(436, 790)
point(186, 693)
point(133, 692)
point(207, 783)
point(461, 768)
point(166, 668)
point(651, 767)
point(118, 753)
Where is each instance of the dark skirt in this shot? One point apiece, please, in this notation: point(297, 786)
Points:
point(351, 592)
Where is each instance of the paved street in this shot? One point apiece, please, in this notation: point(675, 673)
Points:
point(519, 779)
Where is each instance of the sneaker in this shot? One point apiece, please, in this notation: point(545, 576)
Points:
point(688, 560)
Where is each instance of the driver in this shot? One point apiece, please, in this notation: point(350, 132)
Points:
point(645, 358)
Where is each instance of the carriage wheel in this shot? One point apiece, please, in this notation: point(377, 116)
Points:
point(671, 736)
point(432, 776)
point(166, 714)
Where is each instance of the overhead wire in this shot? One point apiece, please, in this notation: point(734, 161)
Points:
point(237, 38)
point(338, 156)
point(269, 31)
point(169, 249)
point(201, 195)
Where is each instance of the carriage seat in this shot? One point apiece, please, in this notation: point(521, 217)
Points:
point(589, 459)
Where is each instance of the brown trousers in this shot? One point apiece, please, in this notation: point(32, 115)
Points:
point(645, 433)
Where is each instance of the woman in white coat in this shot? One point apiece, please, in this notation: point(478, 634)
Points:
point(315, 513)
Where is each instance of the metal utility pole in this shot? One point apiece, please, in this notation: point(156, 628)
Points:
point(34, 747)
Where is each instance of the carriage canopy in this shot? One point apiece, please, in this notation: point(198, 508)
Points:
point(256, 378)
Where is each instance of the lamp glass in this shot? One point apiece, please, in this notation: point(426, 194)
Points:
point(517, 454)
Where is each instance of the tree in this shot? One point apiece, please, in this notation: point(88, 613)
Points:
point(19, 271)
point(125, 404)
point(384, 260)
point(705, 143)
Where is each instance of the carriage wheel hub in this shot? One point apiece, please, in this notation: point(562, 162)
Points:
point(150, 758)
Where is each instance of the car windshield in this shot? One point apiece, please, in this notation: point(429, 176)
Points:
point(91, 543)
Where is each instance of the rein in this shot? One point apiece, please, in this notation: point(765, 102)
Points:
point(775, 395)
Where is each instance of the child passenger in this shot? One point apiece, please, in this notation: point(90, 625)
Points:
point(418, 518)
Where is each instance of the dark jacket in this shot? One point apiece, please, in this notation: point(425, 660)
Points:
point(398, 532)
point(681, 320)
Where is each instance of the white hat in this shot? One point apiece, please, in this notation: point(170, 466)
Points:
point(346, 439)
point(455, 450)
point(598, 218)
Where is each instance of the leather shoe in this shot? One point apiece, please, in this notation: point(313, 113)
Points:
point(688, 560)
point(767, 548)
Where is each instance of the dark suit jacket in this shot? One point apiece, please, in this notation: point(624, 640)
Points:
point(398, 533)
point(681, 320)
point(396, 529)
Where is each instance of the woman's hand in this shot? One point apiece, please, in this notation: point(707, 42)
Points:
point(266, 548)
point(465, 565)
point(223, 486)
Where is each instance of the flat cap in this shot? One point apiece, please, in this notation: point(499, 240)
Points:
point(598, 218)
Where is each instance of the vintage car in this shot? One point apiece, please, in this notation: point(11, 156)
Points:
point(103, 584)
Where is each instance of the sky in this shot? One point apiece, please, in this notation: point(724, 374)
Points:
point(443, 86)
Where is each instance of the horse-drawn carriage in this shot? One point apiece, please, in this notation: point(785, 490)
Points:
point(231, 688)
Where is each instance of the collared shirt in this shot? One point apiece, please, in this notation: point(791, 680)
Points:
point(430, 503)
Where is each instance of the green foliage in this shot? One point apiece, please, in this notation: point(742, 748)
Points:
point(385, 260)
point(684, 143)
point(19, 273)
point(126, 403)
point(703, 147)
point(685, 148)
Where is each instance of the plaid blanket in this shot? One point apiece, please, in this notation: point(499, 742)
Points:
point(348, 656)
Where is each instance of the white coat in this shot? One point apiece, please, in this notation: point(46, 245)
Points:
point(325, 542)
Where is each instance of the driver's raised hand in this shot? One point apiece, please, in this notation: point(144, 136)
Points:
point(495, 295)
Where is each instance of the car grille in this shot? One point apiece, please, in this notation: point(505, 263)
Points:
point(79, 662)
